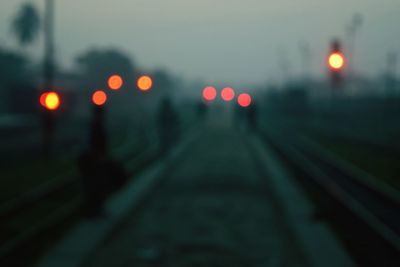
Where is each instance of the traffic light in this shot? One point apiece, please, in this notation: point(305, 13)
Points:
point(336, 62)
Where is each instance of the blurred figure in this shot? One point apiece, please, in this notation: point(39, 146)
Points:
point(252, 117)
point(97, 136)
point(168, 125)
point(100, 174)
point(91, 164)
point(239, 116)
point(246, 117)
point(201, 110)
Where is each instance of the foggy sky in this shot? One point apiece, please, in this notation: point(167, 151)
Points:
point(231, 41)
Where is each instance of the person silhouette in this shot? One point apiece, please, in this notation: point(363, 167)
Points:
point(252, 117)
point(91, 165)
point(101, 175)
point(168, 125)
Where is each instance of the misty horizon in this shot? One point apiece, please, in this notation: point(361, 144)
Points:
point(229, 42)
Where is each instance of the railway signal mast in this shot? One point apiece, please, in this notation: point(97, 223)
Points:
point(336, 62)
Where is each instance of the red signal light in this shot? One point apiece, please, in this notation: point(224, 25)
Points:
point(209, 93)
point(244, 100)
point(227, 94)
point(99, 98)
point(336, 61)
point(43, 99)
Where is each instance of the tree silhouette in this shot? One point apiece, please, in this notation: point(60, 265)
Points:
point(26, 24)
point(105, 61)
point(96, 65)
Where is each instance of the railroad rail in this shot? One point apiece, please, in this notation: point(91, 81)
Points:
point(371, 208)
point(347, 135)
point(54, 203)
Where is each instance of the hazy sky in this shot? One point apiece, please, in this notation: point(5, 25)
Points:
point(232, 41)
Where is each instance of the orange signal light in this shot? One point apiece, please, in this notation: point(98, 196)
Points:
point(50, 100)
point(244, 100)
point(99, 98)
point(209, 93)
point(115, 82)
point(144, 83)
point(336, 61)
point(227, 94)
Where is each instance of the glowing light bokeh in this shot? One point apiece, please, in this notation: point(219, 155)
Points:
point(336, 61)
point(244, 100)
point(99, 98)
point(209, 93)
point(144, 83)
point(43, 99)
point(227, 94)
point(115, 82)
point(51, 101)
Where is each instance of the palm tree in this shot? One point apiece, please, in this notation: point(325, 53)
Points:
point(48, 26)
point(26, 24)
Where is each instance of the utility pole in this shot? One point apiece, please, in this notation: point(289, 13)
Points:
point(352, 29)
point(305, 53)
point(284, 64)
point(48, 78)
point(391, 65)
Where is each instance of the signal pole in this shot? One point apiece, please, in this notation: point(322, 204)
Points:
point(284, 64)
point(306, 57)
point(336, 63)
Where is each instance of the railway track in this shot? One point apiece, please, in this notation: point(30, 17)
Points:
point(365, 212)
point(50, 206)
point(204, 211)
point(347, 135)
